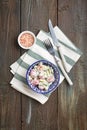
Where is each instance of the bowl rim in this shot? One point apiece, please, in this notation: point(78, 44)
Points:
point(23, 32)
point(54, 68)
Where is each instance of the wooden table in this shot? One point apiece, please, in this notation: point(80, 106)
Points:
point(66, 108)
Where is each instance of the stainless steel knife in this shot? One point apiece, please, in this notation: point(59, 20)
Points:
point(56, 43)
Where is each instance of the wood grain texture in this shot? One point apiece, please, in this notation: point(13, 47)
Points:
point(10, 105)
point(72, 19)
point(66, 108)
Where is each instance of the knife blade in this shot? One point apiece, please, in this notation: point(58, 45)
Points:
point(56, 43)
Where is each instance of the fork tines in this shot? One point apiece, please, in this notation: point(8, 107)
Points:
point(48, 43)
point(49, 46)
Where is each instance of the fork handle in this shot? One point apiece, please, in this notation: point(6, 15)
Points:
point(63, 71)
point(63, 58)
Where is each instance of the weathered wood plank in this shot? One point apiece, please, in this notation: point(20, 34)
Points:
point(10, 108)
point(34, 17)
point(67, 108)
point(72, 19)
point(10, 100)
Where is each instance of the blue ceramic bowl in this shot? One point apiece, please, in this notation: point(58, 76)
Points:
point(53, 86)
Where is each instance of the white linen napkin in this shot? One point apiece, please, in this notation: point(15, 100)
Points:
point(38, 52)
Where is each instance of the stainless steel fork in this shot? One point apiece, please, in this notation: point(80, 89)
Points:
point(51, 50)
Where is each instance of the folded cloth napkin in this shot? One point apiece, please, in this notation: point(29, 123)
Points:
point(38, 52)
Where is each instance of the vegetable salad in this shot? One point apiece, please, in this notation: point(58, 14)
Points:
point(42, 76)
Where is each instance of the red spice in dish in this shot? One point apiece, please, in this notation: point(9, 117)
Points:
point(26, 40)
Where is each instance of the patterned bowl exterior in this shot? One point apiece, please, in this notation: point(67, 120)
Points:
point(53, 86)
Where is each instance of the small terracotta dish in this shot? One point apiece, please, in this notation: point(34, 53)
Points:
point(26, 39)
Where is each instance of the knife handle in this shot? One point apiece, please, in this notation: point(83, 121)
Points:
point(63, 71)
point(63, 58)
